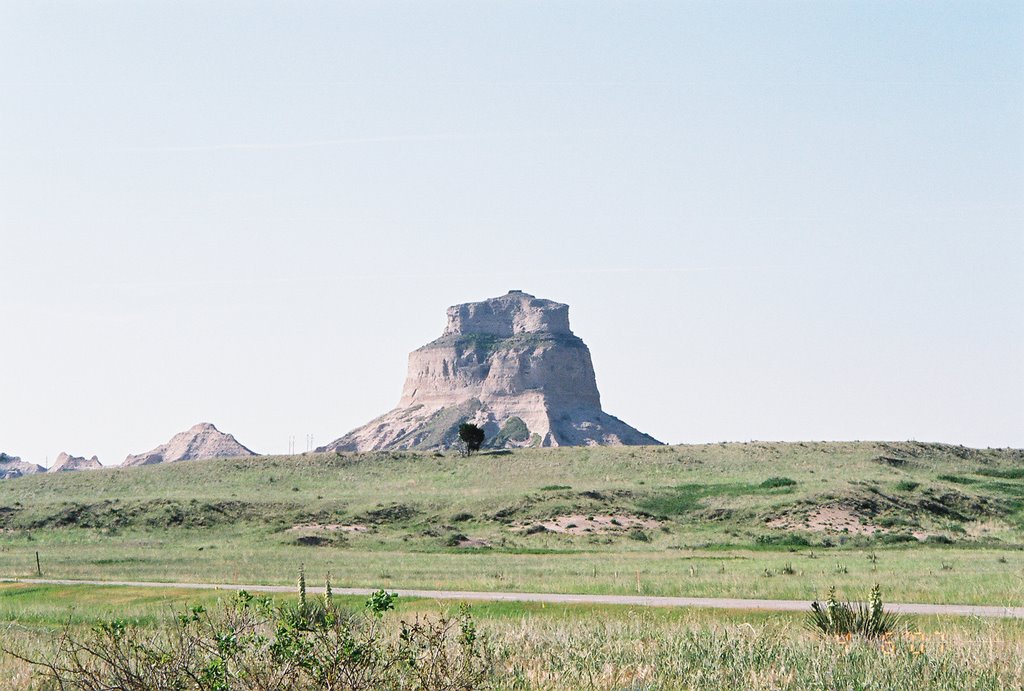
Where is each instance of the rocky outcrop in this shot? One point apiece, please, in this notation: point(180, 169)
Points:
point(509, 364)
point(12, 467)
point(66, 463)
point(201, 441)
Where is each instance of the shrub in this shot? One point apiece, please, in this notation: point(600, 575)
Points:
point(784, 540)
point(1005, 473)
point(514, 430)
point(455, 539)
point(907, 485)
point(895, 538)
point(773, 482)
point(251, 643)
point(840, 619)
point(959, 480)
point(472, 436)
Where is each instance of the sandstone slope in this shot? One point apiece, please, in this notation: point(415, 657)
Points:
point(201, 441)
point(12, 467)
point(66, 463)
point(509, 364)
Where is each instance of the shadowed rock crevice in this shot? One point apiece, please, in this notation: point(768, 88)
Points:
point(512, 366)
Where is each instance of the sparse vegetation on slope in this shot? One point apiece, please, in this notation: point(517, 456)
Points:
point(690, 520)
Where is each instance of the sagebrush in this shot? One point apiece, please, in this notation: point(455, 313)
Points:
point(251, 642)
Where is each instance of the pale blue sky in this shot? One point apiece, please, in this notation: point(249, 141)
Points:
point(771, 220)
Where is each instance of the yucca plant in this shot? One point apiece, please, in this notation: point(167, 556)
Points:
point(840, 619)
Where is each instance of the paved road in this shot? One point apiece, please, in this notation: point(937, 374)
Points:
point(561, 598)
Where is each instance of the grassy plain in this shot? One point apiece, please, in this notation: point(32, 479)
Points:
point(931, 523)
point(741, 520)
point(601, 647)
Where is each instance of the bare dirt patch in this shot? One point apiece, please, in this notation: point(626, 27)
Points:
point(828, 519)
point(578, 524)
point(328, 527)
point(472, 543)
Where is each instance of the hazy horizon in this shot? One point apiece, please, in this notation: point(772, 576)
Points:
point(778, 221)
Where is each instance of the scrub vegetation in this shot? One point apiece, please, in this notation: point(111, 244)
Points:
point(501, 645)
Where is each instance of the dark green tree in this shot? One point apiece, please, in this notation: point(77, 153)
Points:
point(472, 436)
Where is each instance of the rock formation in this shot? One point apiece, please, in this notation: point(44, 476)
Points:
point(12, 467)
point(201, 441)
point(66, 463)
point(508, 364)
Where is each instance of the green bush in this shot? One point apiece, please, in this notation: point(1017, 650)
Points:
point(472, 436)
point(839, 619)
point(773, 482)
point(907, 485)
point(785, 540)
point(251, 643)
point(455, 539)
point(1005, 473)
point(514, 430)
point(959, 480)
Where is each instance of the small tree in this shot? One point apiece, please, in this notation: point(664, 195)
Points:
point(472, 436)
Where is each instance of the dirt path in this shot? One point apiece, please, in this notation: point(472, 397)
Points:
point(560, 598)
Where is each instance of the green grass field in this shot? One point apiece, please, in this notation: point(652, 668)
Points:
point(597, 647)
point(932, 523)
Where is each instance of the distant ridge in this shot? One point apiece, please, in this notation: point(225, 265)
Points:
point(200, 441)
point(12, 467)
point(66, 463)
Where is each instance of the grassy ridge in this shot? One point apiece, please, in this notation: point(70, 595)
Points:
point(719, 519)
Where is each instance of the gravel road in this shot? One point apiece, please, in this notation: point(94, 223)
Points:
point(561, 598)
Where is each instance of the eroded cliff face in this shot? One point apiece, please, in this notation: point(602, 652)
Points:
point(200, 441)
point(508, 364)
point(67, 463)
point(12, 467)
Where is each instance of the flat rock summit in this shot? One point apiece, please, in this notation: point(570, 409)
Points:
point(200, 441)
point(510, 365)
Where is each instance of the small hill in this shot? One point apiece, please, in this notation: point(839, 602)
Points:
point(12, 467)
point(66, 463)
point(508, 364)
point(811, 494)
point(200, 441)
